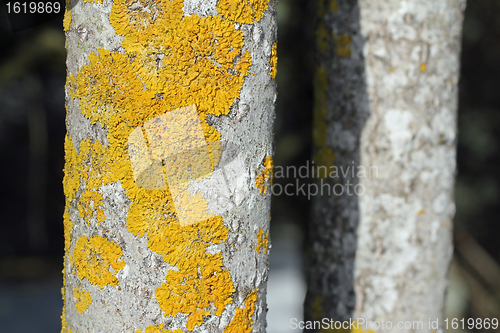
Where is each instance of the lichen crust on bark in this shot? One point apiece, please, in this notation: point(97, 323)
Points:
point(412, 52)
point(130, 264)
point(385, 99)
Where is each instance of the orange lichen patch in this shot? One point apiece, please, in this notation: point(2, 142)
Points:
point(200, 280)
point(169, 62)
point(265, 179)
point(246, 62)
point(71, 184)
point(196, 318)
point(94, 259)
point(64, 323)
point(317, 307)
point(324, 161)
point(334, 6)
point(320, 109)
point(324, 6)
point(67, 16)
point(175, 143)
point(71, 180)
point(242, 321)
point(68, 225)
point(97, 165)
point(104, 86)
point(139, 19)
point(320, 87)
point(83, 299)
point(180, 62)
point(199, 283)
point(322, 37)
point(319, 132)
point(421, 212)
point(274, 60)
point(423, 67)
point(263, 241)
point(342, 45)
point(242, 11)
point(95, 168)
point(157, 329)
point(90, 206)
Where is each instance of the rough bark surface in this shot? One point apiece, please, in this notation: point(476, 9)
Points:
point(340, 111)
point(387, 78)
point(129, 265)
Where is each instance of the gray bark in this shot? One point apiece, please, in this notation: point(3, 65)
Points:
point(137, 267)
point(391, 97)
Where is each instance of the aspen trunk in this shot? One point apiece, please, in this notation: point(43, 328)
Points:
point(170, 106)
point(385, 108)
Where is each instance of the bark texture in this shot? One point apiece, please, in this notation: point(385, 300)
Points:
point(133, 263)
point(386, 102)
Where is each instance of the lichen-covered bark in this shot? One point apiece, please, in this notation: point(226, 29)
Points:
point(340, 111)
point(133, 261)
point(386, 100)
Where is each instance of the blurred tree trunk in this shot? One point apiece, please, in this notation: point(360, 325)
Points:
point(385, 115)
point(170, 106)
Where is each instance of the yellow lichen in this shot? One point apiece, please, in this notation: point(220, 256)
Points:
point(342, 45)
point(244, 64)
point(274, 60)
point(263, 241)
point(96, 169)
point(71, 180)
point(265, 179)
point(242, 321)
point(90, 206)
point(83, 299)
point(242, 11)
point(64, 323)
point(97, 260)
point(324, 162)
point(319, 132)
point(67, 16)
point(325, 6)
point(423, 67)
point(317, 307)
point(157, 329)
point(196, 318)
point(322, 37)
point(334, 6)
point(320, 110)
point(169, 61)
point(200, 280)
point(68, 225)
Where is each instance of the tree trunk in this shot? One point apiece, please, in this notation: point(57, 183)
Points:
point(170, 106)
point(385, 115)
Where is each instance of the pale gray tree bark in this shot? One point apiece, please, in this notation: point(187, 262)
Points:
point(386, 103)
point(146, 251)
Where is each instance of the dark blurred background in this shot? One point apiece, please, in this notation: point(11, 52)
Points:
point(32, 129)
